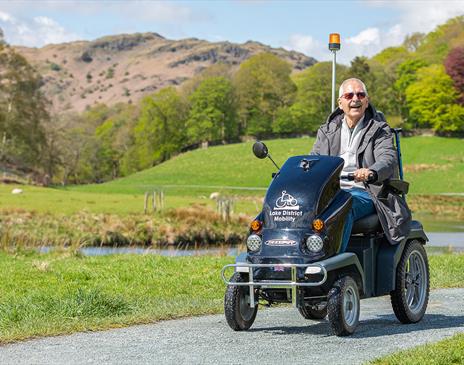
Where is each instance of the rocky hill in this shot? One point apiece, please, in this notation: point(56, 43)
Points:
point(124, 68)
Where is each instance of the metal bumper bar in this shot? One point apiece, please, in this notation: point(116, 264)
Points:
point(293, 284)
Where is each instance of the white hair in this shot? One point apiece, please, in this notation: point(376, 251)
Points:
point(342, 86)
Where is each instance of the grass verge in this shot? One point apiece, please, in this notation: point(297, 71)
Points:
point(58, 293)
point(449, 351)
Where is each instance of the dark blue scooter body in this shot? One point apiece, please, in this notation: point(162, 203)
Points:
point(305, 188)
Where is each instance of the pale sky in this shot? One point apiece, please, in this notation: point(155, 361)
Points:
point(366, 26)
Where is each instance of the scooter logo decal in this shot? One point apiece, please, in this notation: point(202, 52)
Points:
point(286, 208)
point(280, 242)
point(286, 202)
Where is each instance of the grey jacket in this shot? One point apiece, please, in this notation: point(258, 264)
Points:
point(375, 152)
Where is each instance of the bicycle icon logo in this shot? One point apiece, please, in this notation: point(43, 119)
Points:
point(286, 201)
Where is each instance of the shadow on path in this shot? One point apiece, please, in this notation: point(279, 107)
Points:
point(382, 325)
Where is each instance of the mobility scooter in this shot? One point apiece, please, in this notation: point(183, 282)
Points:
point(294, 252)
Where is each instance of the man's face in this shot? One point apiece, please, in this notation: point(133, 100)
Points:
point(354, 109)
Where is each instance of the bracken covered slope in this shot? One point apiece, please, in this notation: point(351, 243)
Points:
point(124, 68)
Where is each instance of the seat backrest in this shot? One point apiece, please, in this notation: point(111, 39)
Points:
point(399, 187)
point(396, 132)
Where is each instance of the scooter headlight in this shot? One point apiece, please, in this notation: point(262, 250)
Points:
point(254, 242)
point(314, 243)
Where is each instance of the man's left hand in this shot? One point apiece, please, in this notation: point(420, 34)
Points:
point(362, 174)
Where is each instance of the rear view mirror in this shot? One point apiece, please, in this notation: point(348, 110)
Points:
point(260, 150)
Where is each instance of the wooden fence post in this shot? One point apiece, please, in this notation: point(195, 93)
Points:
point(145, 206)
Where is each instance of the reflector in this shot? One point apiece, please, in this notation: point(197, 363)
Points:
point(256, 225)
point(318, 224)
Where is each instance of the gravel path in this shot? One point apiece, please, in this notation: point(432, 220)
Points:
point(279, 335)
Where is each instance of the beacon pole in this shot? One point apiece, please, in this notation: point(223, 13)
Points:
point(334, 46)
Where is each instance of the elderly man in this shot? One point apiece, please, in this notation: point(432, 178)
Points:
point(359, 134)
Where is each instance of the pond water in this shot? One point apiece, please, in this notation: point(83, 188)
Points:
point(450, 240)
point(168, 251)
point(444, 239)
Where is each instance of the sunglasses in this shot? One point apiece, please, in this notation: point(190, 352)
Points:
point(348, 96)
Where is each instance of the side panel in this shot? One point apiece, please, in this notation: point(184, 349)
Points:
point(366, 248)
point(388, 257)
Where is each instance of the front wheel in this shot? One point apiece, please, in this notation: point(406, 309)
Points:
point(411, 295)
point(344, 306)
point(239, 315)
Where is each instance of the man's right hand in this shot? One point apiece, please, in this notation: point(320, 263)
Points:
point(362, 175)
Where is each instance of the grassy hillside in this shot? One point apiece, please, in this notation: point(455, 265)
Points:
point(432, 165)
point(208, 170)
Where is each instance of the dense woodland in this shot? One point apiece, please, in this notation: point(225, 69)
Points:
point(418, 85)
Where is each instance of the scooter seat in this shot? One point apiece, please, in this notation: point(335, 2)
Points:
point(368, 224)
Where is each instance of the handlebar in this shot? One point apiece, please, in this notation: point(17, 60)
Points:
point(350, 177)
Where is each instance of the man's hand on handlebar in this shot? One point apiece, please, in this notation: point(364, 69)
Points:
point(363, 174)
point(366, 175)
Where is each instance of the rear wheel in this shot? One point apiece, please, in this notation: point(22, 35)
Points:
point(313, 312)
point(239, 315)
point(344, 306)
point(411, 295)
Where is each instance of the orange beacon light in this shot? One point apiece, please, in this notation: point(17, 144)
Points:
point(334, 41)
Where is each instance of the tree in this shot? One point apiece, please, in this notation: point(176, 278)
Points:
point(71, 135)
point(360, 69)
point(91, 166)
point(216, 70)
point(389, 59)
point(382, 93)
point(436, 45)
point(114, 139)
point(263, 86)
point(313, 99)
point(406, 75)
point(212, 112)
point(413, 41)
point(454, 65)
point(381, 80)
point(432, 101)
point(23, 112)
point(89, 147)
point(160, 130)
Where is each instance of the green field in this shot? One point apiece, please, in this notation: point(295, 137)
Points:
point(433, 165)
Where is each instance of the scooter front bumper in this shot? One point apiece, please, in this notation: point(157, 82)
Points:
point(319, 268)
point(292, 284)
